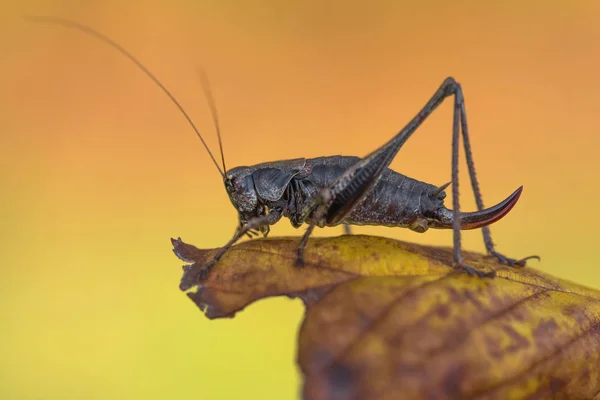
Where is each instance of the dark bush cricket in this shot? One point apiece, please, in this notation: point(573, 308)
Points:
point(334, 190)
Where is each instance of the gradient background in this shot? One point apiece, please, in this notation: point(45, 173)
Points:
point(99, 170)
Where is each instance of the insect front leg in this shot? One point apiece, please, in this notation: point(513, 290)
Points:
point(253, 224)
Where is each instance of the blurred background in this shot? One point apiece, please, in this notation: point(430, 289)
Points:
point(99, 169)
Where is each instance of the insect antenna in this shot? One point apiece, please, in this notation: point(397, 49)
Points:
point(213, 109)
point(83, 28)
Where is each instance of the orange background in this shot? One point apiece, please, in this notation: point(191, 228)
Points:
point(99, 169)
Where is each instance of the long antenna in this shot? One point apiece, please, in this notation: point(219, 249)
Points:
point(72, 24)
point(213, 109)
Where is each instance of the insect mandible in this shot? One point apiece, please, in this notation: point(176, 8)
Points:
point(334, 190)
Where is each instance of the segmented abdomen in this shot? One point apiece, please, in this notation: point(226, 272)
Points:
point(396, 199)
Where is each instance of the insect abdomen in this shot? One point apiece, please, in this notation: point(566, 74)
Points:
point(396, 199)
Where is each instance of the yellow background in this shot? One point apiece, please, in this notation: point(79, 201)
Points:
point(99, 170)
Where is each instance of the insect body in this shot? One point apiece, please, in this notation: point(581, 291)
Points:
point(288, 187)
point(328, 191)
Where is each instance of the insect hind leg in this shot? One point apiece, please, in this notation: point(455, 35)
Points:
point(350, 187)
point(487, 236)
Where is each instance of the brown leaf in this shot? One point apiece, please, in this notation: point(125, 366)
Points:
point(391, 320)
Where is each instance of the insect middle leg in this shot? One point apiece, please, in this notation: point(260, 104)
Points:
point(347, 229)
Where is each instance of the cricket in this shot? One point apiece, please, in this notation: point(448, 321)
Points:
point(346, 190)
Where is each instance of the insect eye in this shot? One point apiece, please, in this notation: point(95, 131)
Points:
point(239, 184)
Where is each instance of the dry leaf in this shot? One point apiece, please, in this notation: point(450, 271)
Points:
point(391, 320)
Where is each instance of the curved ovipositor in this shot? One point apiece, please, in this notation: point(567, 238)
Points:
point(477, 219)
